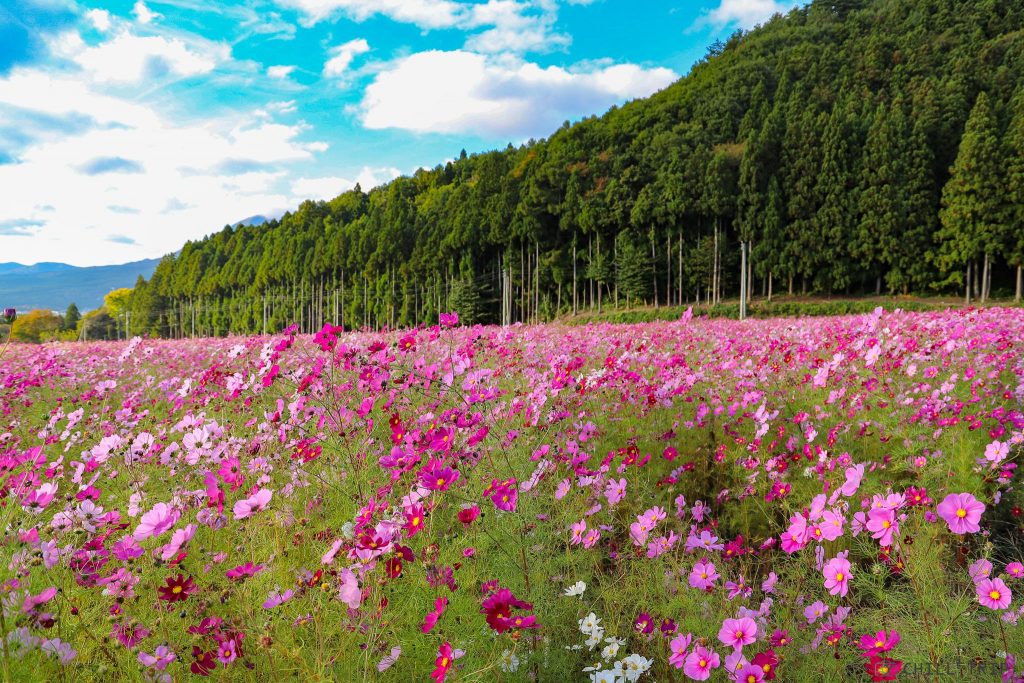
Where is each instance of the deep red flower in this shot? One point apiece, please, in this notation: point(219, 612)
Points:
point(767, 661)
point(883, 669)
point(204, 662)
point(498, 607)
point(178, 589)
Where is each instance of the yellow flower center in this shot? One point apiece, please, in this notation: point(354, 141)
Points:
point(995, 595)
point(444, 661)
point(176, 590)
point(703, 663)
point(883, 669)
point(885, 524)
point(440, 481)
point(839, 576)
point(961, 513)
point(415, 521)
point(879, 643)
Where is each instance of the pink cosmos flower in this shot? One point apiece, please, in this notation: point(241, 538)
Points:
point(837, 576)
point(349, 591)
point(243, 571)
point(276, 598)
point(751, 673)
point(994, 594)
point(996, 452)
point(703, 575)
point(33, 601)
point(436, 477)
point(882, 525)
point(615, 491)
point(678, 647)
point(815, 611)
point(962, 512)
point(155, 522)
point(127, 549)
point(1015, 569)
point(160, 658)
point(254, 503)
point(179, 539)
point(432, 616)
point(700, 663)
point(878, 643)
point(738, 632)
point(578, 530)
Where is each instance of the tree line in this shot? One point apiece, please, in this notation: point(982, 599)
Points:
point(851, 147)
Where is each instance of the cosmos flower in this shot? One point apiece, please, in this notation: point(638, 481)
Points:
point(155, 522)
point(700, 663)
point(736, 633)
point(177, 589)
point(254, 503)
point(962, 512)
point(993, 593)
point(837, 576)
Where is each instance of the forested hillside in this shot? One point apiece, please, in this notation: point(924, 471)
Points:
point(854, 146)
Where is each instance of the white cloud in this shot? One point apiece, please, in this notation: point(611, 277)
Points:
point(513, 28)
point(342, 56)
point(223, 169)
point(745, 13)
point(143, 14)
point(329, 187)
point(99, 18)
point(465, 92)
point(130, 58)
point(495, 25)
point(427, 14)
point(280, 71)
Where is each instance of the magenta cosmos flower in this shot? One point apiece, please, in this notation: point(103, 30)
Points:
point(962, 512)
point(837, 576)
point(738, 632)
point(878, 643)
point(994, 594)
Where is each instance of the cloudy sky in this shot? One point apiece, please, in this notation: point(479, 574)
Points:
point(127, 128)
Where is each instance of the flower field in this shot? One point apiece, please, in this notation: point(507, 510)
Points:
point(819, 499)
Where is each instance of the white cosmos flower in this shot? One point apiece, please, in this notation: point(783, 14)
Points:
point(575, 589)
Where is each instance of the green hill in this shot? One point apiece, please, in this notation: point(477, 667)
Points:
point(856, 147)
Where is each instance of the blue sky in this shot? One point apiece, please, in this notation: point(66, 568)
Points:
point(127, 128)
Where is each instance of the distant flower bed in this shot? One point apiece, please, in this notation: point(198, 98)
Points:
point(829, 498)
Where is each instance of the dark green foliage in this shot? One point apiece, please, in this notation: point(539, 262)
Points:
point(823, 138)
point(71, 317)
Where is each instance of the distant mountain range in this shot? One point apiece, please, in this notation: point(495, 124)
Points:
point(55, 285)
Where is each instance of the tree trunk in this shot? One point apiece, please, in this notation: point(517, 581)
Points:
point(967, 285)
point(1017, 293)
point(679, 277)
point(769, 286)
point(654, 271)
point(985, 279)
point(574, 273)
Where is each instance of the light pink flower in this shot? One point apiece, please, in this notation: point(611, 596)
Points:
point(155, 522)
point(837, 576)
point(253, 503)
